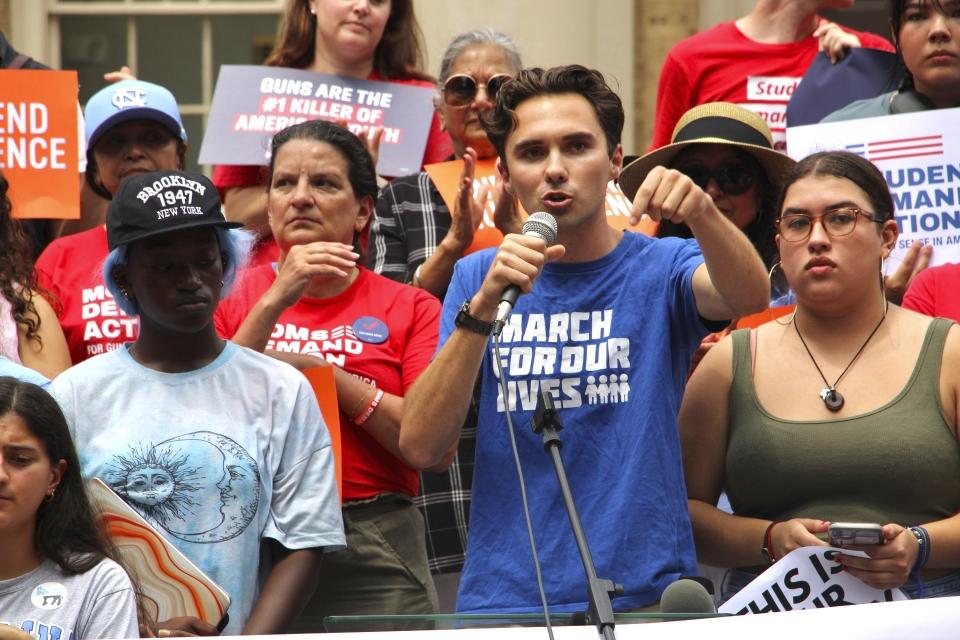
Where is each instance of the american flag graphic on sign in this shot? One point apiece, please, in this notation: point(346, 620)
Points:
point(916, 147)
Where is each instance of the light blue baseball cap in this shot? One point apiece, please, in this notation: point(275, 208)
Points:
point(131, 100)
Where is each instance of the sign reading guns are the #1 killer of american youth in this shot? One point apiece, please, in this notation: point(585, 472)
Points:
point(252, 103)
point(919, 156)
point(38, 142)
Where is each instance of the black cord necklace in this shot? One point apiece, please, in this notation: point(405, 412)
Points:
point(829, 394)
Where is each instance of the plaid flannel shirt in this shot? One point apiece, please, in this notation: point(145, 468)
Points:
point(410, 220)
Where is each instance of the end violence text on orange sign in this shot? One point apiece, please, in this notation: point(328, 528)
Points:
point(38, 142)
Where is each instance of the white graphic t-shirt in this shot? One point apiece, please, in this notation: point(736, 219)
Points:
point(215, 459)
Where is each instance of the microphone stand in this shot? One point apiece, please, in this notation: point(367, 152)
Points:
point(546, 422)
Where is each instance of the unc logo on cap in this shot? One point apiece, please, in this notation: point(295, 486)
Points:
point(130, 97)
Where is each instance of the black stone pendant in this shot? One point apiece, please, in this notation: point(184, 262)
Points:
point(832, 399)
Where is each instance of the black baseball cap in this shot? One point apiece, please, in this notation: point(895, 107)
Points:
point(154, 203)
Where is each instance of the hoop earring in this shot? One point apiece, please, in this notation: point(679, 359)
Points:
point(780, 289)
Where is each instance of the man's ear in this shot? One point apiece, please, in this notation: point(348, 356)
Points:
point(505, 177)
point(616, 162)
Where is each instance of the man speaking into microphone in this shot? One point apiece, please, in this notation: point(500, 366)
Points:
point(607, 322)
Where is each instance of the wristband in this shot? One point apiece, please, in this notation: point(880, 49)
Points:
point(767, 549)
point(415, 281)
point(467, 321)
point(923, 542)
point(370, 408)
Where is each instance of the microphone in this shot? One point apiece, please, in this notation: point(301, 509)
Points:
point(539, 225)
point(687, 595)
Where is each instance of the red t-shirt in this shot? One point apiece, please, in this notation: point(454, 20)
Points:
point(933, 292)
point(381, 331)
point(723, 64)
point(70, 269)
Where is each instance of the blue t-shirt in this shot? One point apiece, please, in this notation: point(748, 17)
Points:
point(612, 339)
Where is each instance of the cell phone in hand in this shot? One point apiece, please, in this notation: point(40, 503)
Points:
point(843, 534)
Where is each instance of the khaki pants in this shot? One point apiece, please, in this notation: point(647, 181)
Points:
point(382, 571)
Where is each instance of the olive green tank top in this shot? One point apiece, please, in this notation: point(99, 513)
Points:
point(898, 463)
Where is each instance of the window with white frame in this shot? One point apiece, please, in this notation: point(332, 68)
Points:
point(179, 44)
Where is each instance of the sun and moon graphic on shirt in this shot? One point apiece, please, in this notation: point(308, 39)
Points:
point(199, 487)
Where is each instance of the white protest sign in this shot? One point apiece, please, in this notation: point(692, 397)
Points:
point(919, 155)
point(806, 578)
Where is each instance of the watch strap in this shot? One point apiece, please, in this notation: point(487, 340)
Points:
point(467, 321)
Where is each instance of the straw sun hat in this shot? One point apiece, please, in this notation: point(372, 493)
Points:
point(713, 123)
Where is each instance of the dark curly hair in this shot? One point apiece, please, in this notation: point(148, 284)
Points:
point(501, 121)
point(18, 283)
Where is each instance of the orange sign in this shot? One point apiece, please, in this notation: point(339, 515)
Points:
point(755, 320)
point(446, 176)
point(38, 142)
point(321, 379)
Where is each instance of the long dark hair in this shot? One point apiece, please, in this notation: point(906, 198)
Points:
point(17, 283)
point(66, 530)
point(399, 54)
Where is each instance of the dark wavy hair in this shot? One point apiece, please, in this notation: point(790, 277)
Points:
point(850, 166)
point(897, 8)
point(501, 121)
point(399, 54)
point(360, 170)
point(17, 283)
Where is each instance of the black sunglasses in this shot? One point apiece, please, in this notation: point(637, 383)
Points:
point(733, 178)
point(460, 90)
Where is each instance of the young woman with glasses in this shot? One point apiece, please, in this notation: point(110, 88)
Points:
point(844, 411)
point(414, 237)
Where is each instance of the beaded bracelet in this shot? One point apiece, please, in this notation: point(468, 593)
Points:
point(923, 555)
point(366, 413)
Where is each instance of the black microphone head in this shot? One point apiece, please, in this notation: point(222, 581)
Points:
point(686, 596)
point(543, 225)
